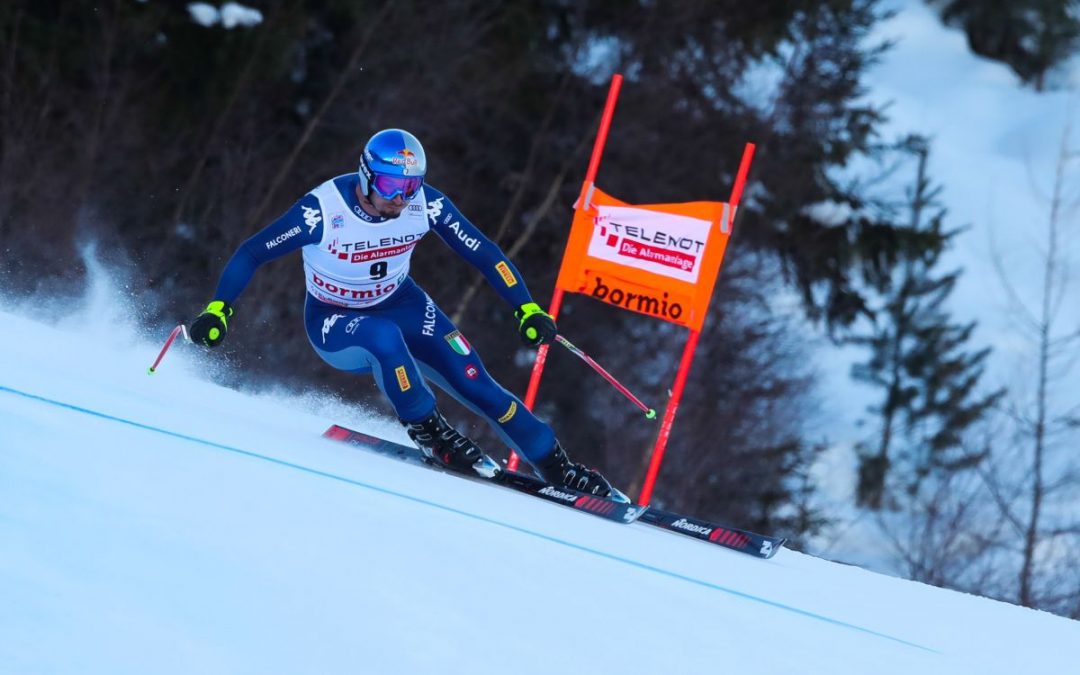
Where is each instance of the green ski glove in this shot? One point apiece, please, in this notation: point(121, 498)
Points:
point(537, 327)
point(209, 328)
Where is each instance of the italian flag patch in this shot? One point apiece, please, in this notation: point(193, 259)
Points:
point(458, 343)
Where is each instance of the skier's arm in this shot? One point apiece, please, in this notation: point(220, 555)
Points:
point(297, 227)
point(293, 230)
point(536, 326)
point(471, 244)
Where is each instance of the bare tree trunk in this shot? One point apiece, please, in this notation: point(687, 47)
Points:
point(239, 86)
point(7, 127)
point(530, 228)
point(539, 139)
point(106, 96)
point(1054, 354)
point(1046, 320)
point(376, 24)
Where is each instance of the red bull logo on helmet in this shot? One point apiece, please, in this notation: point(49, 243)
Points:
point(407, 158)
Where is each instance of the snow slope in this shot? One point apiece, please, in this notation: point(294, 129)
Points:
point(167, 525)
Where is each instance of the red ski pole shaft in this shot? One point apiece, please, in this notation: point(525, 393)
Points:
point(649, 412)
point(168, 343)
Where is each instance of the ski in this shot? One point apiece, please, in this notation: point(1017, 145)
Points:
point(611, 509)
point(603, 507)
point(744, 541)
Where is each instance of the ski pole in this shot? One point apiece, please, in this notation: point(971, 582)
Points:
point(168, 343)
point(649, 412)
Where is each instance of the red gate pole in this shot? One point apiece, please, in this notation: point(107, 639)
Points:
point(669, 418)
point(740, 181)
point(586, 190)
point(691, 344)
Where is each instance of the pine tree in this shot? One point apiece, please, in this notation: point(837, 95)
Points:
point(1031, 36)
point(919, 359)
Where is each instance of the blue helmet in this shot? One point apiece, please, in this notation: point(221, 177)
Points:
point(393, 163)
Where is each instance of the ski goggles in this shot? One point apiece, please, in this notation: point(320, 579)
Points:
point(389, 187)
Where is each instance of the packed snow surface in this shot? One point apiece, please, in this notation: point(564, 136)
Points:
point(165, 524)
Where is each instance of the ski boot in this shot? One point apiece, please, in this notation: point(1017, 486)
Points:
point(445, 446)
point(558, 470)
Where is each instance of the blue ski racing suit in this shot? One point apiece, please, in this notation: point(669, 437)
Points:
point(365, 314)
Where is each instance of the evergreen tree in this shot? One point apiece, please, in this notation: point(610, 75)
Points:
point(919, 359)
point(1031, 36)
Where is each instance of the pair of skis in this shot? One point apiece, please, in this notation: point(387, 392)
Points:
point(754, 544)
point(751, 543)
point(599, 506)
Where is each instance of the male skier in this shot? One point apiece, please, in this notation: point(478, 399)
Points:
point(365, 314)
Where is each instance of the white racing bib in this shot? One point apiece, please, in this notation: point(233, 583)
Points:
point(359, 263)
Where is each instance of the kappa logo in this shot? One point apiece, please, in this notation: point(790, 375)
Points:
point(328, 323)
point(434, 208)
point(312, 217)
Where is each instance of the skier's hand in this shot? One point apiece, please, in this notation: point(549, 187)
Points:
point(209, 328)
point(537, 327)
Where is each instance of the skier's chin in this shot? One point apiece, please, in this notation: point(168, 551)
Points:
point(391, 213)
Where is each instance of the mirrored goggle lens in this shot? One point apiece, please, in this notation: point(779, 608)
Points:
point(389, 187)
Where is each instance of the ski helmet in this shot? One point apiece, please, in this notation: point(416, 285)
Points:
point(393, 163)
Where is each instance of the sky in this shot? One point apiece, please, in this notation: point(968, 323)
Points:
point(163, 524)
